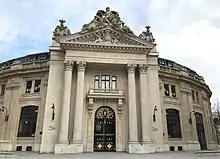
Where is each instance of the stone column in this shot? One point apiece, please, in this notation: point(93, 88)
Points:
point(145, 113)
point(65, 109)
point(133, 134)
point(78, 119)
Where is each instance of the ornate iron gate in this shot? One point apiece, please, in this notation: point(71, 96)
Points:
point(200, 131)
point(104, 129)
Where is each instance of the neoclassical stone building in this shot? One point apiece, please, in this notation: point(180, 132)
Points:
point(102, 89)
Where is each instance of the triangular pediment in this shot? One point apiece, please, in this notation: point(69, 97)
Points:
point(105, 32)
point(106, 36)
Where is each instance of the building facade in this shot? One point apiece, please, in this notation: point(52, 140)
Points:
point(103, 89)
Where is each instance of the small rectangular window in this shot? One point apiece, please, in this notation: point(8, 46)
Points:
point(197, 96)
point(105, 82)
point(37, 85)
point(166, 90)
point(173, 91)
point(2, 90)
point(96, 83)
point(114, 82)
point(193, 95)
point(28, 87)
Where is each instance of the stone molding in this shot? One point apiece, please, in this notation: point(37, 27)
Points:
point(185, 88)
point(14, 83)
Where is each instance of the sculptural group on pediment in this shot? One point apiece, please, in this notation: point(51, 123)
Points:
point(61, 30)
point(147, 35)
point(104, 18)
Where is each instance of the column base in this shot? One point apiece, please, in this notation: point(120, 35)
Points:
point(191, 146)
point(136, 147)
point(6, 146)
point(163, 147)
point(66, 148)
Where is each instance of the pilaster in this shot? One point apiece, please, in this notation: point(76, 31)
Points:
point(154, 102)
point(53, 101)
point(64, 125)
point(10, 127)
point(192, 139)
point(145, 113)
point(133, 135)
point(78, 117)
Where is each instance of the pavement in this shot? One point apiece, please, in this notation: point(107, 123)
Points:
point(110, 155)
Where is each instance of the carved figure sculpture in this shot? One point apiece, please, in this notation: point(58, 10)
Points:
point(147, 35)
point(61, 30)
point(107, 17)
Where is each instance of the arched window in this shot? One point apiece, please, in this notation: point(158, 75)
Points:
point(28, 120)
point(173, 123)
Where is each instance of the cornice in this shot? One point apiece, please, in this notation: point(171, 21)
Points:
point(108, 48)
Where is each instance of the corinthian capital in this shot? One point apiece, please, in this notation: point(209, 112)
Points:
point(131, 68)
point(143, 68)
point(81, 65)
point(68, 65)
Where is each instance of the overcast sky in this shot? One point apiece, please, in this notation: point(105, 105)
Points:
point(186, 31)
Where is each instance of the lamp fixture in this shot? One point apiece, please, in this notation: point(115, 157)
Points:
point(4, 109)
point(190, 117)
point(154, 115)
point(53, 111)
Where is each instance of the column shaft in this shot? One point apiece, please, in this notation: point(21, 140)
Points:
point(145, 107)
point(78, 119)
point(133, 135)
point(64, 125)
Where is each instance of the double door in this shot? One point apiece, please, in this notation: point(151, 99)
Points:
point(104, 131)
